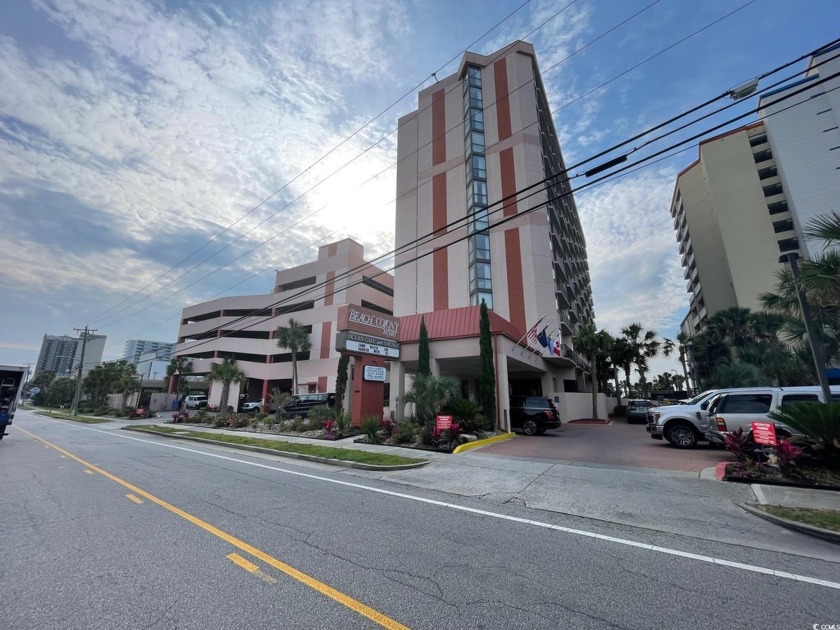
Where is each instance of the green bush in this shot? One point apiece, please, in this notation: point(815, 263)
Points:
point(620, 411)
point(465, 412)
point(404, 433)
point(299, 425)
point(203, 417)
point(321, 413)
point(370, 427)
point(343, 422)
point(820, 425)
point(220, 421)
point(103, 411)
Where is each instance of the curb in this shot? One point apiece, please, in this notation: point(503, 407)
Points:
point(287, 454)
point(818, 532)
point(479, 443)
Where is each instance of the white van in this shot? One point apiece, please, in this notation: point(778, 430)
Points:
point(738, 409)
point(198, 401)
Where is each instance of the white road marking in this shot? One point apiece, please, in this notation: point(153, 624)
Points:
point(515, 519)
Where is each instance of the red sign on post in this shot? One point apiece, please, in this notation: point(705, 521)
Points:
point(764, 433)
point(444, 423)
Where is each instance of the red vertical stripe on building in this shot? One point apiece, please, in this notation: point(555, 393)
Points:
point(322, 384)
point(516, 289)
point(326, 340)
point(506, 166)
point(440, 259)
point(332, 249)
point(438, 127)
point(502, 98)
point(329, 288)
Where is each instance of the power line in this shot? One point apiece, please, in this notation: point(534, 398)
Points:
point(694, 109)
point(316, 162)
point(601, 180)
point(343, 166)
point(426, 238)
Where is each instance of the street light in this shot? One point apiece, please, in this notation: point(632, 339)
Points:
point(813, 340)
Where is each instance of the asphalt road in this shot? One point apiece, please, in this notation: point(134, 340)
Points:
point(103, 529)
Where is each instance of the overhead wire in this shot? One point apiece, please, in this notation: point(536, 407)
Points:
point(696, 108)
point(319, 160)
point(640, 163)
point(517, 194)
point(339, 169)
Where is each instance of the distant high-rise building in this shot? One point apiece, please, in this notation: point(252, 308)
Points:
point(61, 354)
point(142, 350)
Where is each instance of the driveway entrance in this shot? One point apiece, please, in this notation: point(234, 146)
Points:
point(617, 444)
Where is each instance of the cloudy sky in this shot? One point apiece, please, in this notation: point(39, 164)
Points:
point(156, 153)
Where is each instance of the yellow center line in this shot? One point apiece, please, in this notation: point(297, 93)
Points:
point(251, 568)
point(324, 589)
point(131, 497)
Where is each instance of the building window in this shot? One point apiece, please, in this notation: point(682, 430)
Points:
point(373, 284)
point(478, 260)
point(296, 284)
point(785, 225)
point(789, 244)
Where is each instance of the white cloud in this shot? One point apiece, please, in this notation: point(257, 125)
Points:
point(633, 255)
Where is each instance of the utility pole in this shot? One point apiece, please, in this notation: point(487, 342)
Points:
point(813, 338)
point(74, 410)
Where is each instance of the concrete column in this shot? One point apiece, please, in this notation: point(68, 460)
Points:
point(502, 392)
point(398, 389)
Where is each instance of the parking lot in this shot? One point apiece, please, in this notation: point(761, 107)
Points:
point(616, 444)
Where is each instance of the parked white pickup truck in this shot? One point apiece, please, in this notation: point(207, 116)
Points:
point(681, 425)
point(738, 409)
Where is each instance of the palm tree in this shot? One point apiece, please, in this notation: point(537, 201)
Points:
point(226, 372)
point(645, 344)
point(682, 343)
point(732, 324)
point(430, 394)
point(593, 343)
point(622, 357)
point(294, 338)
point(180, 367)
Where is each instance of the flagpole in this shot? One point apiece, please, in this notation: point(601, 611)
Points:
point(530, 329)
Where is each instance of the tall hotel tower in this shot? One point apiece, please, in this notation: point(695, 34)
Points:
point(475, 221)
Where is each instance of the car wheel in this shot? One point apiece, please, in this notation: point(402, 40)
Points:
point(529, 427)
point(681, 436)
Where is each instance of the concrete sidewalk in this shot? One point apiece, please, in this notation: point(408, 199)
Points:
point(673, 502)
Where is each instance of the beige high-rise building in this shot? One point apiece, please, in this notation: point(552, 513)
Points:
point(732, 222)
point(478, 220)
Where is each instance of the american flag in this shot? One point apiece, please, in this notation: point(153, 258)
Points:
point(532, 334)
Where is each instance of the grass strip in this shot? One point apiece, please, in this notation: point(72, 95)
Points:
point(314, 450)
point(826, 519)
point(67, 416)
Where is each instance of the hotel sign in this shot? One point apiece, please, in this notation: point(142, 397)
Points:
point(367, 321)
point(366, 344)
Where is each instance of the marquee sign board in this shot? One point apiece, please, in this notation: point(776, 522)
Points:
point(366, 344)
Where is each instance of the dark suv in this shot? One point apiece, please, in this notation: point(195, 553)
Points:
point(300, 404)
point(534, 415)
point(637, 411)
